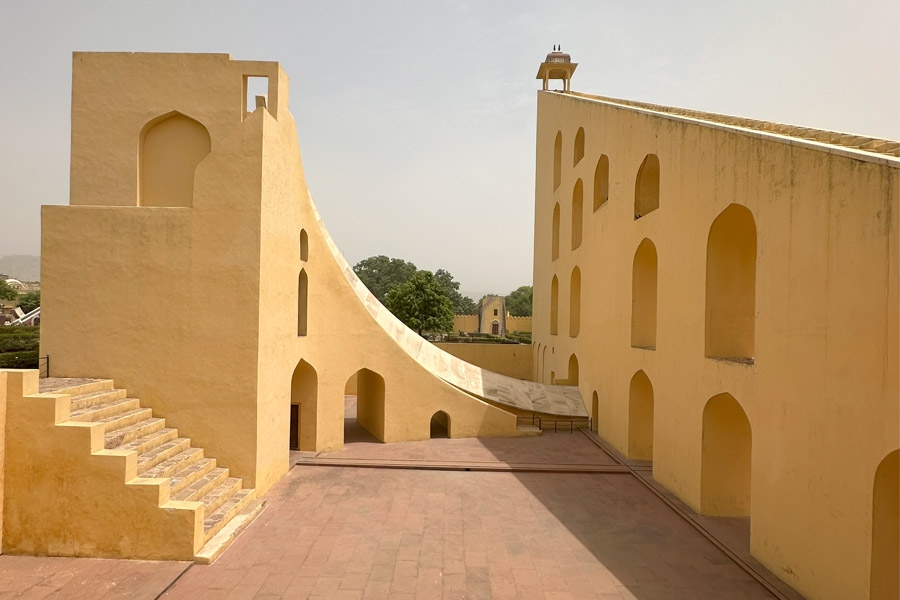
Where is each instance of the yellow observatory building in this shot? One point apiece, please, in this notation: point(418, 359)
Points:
point(724, 292)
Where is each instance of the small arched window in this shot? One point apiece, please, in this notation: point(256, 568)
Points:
point(557, 160)
point(601, 182)
point(554, 305)
point(575, 303)
point(646, 187)
point(304, 245)
point(554, 236)
point(577, 213)
point(302, 300)
point(578, 152)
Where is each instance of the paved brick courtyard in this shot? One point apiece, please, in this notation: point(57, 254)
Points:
point(347, 532)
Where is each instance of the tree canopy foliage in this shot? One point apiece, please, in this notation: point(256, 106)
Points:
point(382, 274)
point(30, 301)
point(462, 305)
point(422, 304)
point(519, 302)
point(6, 291)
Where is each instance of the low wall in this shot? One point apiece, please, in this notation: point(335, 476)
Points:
point(512, 360)
point(518, 323)
point(465, 323)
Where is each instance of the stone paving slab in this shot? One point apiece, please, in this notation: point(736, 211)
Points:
point(29, 577)
point(338, 532)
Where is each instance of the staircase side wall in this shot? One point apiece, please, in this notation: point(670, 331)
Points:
point(61, 500)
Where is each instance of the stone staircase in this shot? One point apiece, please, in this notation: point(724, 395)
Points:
point(227, 506)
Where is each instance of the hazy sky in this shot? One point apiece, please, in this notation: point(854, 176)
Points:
point(417, 118)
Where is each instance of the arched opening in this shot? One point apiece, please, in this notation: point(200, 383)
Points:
point(646, 187)
point(725, 460)
point(543, 363)
point(554, 240)
point(554, 305)
point(731, 285)
point(495, 327)
point(304, 393)
point(640, 417)
point(171, 148)
point(302, 300)
point(578, 152)
point(643, 296)
point(304, 245)
point(364, 407)
point(884, 582)
point(575, 303)
point(601, 182)
point(595, 412)
point(557, 160)
point(577, 213)
point(573, 376)
point(440, 425)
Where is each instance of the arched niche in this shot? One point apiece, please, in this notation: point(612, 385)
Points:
point(440, 425)
point(574, 373)
point(640, 417)
point(595, 411)
point(646, 187)
point(304, 245)
point(554, 306)
point(302, 302)
point(643, 296)
point(575, 303)
point(731, 285)
point(601, 182)
point(557, 160)
point(577, 213)
point(578, 149)
point(369, 403)
point(554, 239)
point(883, 581)
point(171, 147)
point(304, 396)
point(726, 458)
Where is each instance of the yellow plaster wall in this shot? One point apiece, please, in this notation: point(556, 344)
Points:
point(822, 396)
point(518, 323)
point(4, 394)
point(465, 323)
point(62, 500)
point(512, 360)
point(488, 306)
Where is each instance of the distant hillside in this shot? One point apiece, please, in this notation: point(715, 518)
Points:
point(23, 267)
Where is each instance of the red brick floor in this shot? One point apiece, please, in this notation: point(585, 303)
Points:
point(30, 577)
point(346, 532)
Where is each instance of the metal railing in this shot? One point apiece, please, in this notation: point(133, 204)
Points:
point(571, 425)
point(41, 363)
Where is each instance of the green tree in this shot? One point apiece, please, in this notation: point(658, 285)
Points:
point(422, 304)
point(462, 305)
point(382, 274)
point(6, 291)
point(519, 302)
point(30, 301)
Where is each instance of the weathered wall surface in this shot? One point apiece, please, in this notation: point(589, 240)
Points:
point(512, 360)
point(820, 396)
point(518, 323)
point(465, 323)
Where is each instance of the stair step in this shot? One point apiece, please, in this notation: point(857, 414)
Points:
point(89, 385)
point(102, 411)
point(125, 419)
point(96, 397)
point(228, 509)
point(191, 474)
point(151, 441)
point(221, 494)
point(222, 533)
point(202, 485)
point(171, 466)
point(151, 458)
point(128, 434)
